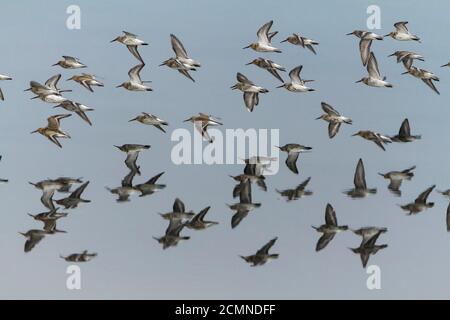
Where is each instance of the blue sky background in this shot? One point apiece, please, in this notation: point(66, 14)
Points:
point(133, 265)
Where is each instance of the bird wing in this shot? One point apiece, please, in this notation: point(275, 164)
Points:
point(83, 116)
point(360, 176)
point(245, 194)
point(330, 216)
point(1, 95)
point(129, 34)
point(329, 109)
point(291, 161)
point(401, 26)
point(134, 73)
point(77, 193)
point(324, 240)
point(405, 130)
point(333, 128)
point(52, 82)
point(154, 179)
point(34, 239)
point(265, 249)
point(263, 32)
point(295, 74)
point(47, 199)
point(185, 73)
point(372, 67)
point(303, 185)
point(130, 161)
point(178, 47)
point(178, 206)
point(243, 79)
point(251, 100)
point(395, 185)
point(311, 48)
point(275, 73)
point(127, 181)
point(430, 83)
point(238, 217)
point(364, 49)
point(134, 51)
point(422, 198)
point(448, 218)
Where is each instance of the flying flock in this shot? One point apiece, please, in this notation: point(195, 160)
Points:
point(179, 218)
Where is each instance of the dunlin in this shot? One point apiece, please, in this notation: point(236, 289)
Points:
point(268, 65)
point(78, 108)
point(374, 78)
point(402, 33)
point(360, 190)
point(333, 118)
point(132, 151)
point(150, 119)
point(365, 42)
point(87, 81)
point(263, 44)
point(198, 222)
point(201, 122)
point(375, 137)
point(135, 83)
point(262, 255)
point(396, 178)
point(132, 42)
point(298, 40)
point(296, 84)
point(329, 229)
point(250, 90)
point(52, 131)
point(404, 134)
point(420, 203)
point(68, 62)
point(293, 150)
point(297, 192)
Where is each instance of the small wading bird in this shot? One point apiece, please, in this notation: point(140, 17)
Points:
point(396, 178)
point(78, 108)
point(329, 229)
point(126, 189)
point(368, 244)
point(172, 236)
point(74, 198)
point(293, 150)
point(86, 80)
point(296, 84)
point(198, 222)
point(333, 118)
point(85, 256)
point(149, 119)
point(404, 134)
point(298, 40)
point(365, 43)
point(3, 77)
point(150, 187)
point(375, 137)
point(181, 62)
point(68, 62)
point(426, 76)
point(263, 44)
point(52, 131)
point(132, 42)
point(262, 255)
point(132, 151)
point(268, 65)
point(374, 78)
point(297, 192)
point(420, 203)
point(178, 212)
point(407, 57)
point(250, 90)
point(360, 190)
point(201, 122)
point(245, 204)
point(135, 83)
point(402, 33)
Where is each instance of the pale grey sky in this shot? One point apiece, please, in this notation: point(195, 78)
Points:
point(130, 263)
